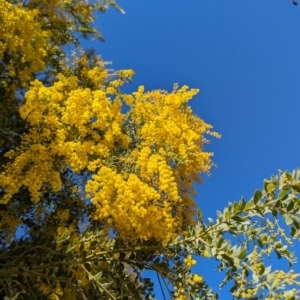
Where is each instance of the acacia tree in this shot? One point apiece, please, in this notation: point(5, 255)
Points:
point(97, 185)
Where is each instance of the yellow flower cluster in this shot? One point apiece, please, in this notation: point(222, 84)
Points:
point(23, 39)
point(189, 261)
point(197, 278)
point(51, 293)
point(180, 293)
point(142, 163)
point(131, 205)
point(181, 297)
point(63, 216)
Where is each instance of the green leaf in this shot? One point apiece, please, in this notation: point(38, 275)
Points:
point(98, 275)
point(296, 188)
point(288, 220)
point(274, 282)
point(242, 254)
point(199, 213)
point(227, 215)
point(261, 269)
point(224, 227)
point(238, 219)
point(270, 187)
point(296, 224)
point(229, 259)
point(278, 254)
point(242, 204)
point(260, 243)
point(274, 213)
point(65, 235)
point(220, 215)
point(211, 221)
point(233, 289)
point(260, 212)
point(293, 231)
point(281, 194)
point(220, 242)
point(290, 206)
point(248, 206)
point(296, 201)
point(213, 251)
point(267, 270)
point(255, 278)
point(236, 207)
point(209, 239)
point(257, 196)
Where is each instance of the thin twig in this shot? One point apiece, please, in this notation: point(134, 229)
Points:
point(98, 283)
point(160, 285)
point(166, 286)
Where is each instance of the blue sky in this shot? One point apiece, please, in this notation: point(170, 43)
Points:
point(245, 58)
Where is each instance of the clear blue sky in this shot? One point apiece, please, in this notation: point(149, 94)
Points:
point(244, 55)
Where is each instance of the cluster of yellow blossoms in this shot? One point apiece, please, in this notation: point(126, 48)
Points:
point(23, 40)
point(197, 278)
point(59, 293)
point(181, 293)
point(33, 33)
point(142, 163)
point(189, 261)
point(50, 293)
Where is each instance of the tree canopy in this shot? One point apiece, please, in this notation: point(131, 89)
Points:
point(97, 185)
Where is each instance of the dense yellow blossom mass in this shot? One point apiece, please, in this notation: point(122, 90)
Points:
point(23, 40)
point(142, 163)
point(97, 185)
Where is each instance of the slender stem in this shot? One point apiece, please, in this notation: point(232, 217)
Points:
point(124, 250)
point(98, 283)
point(160, 285)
